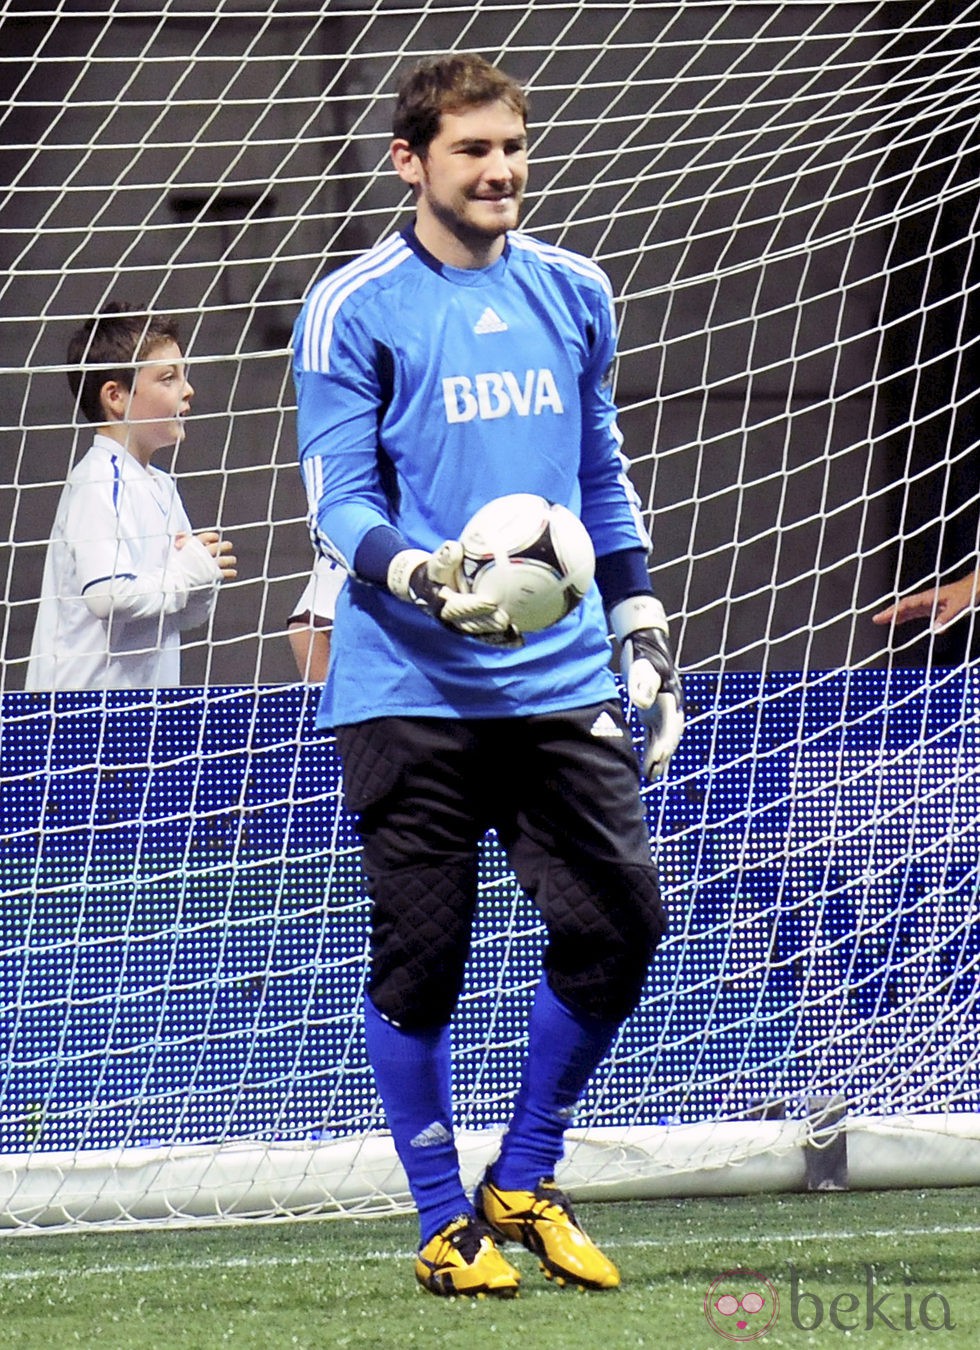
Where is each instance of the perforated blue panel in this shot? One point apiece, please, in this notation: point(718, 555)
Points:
point(182, 931)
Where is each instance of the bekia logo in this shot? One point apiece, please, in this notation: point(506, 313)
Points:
point(743, 1305)
point(870, 1305)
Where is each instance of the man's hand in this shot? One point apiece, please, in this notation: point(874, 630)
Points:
point(653, 685)
point(941, 604)
point(433, 581)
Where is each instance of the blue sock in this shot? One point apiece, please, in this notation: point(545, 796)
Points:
point(564, 1049)
point(413, 1073)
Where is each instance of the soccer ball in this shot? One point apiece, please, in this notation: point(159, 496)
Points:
point(532, 557)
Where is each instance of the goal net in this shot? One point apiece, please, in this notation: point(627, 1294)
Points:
point(785, 198)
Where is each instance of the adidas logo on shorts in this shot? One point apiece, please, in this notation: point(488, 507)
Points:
point(605, 726)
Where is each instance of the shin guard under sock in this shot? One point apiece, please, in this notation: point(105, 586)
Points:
point(564, 1048)
point(413, 1073)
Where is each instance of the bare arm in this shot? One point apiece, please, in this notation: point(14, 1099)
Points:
point(941, 604)
point(311, 651)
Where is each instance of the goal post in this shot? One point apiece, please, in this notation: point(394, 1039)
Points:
point(784, 197)
point(183, 956)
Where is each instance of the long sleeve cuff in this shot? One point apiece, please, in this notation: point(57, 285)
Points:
point(375, 552)
point(622, 574)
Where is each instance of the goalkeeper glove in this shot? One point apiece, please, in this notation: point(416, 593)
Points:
point(433, 581)
point(653, 685)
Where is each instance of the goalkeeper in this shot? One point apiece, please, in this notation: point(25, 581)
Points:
point(455, 362)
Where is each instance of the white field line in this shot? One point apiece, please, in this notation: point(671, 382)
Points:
point(401, 1254)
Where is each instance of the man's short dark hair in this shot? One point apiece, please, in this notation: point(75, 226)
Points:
point(449, 84)
point(109, 347)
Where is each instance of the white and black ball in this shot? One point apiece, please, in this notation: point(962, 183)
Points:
point(532, 557)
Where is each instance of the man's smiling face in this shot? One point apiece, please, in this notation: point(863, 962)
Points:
point(469, 183)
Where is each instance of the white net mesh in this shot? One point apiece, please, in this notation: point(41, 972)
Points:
point(785, 199)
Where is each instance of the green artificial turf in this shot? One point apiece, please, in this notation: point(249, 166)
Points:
point(349, 1283)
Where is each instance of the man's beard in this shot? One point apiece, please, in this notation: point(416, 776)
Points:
point(468, 230)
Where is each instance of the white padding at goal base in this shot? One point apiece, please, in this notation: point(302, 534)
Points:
point(196, 1184)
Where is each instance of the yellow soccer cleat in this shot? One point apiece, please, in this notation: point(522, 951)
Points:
point(463, 1258)
point(543, 1221)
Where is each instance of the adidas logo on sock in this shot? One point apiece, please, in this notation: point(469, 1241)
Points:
point(488, 322)
point(433, 1134)
point(605, 726)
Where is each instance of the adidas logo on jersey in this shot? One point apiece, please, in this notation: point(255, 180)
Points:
point(605, 726)
point(433, 1134)
point(488, 322)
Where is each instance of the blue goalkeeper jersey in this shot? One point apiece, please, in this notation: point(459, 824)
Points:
point(423, 392)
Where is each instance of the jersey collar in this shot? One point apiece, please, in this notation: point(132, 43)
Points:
point(459, 276)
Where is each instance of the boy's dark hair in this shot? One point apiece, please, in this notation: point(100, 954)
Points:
point(109, 346)
point(449, 84)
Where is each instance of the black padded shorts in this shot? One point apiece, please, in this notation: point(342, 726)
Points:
point(562, 792)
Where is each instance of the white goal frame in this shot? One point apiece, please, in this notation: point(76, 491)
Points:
point(785, 198)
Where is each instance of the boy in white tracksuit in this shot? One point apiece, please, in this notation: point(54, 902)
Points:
point(124, 572)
